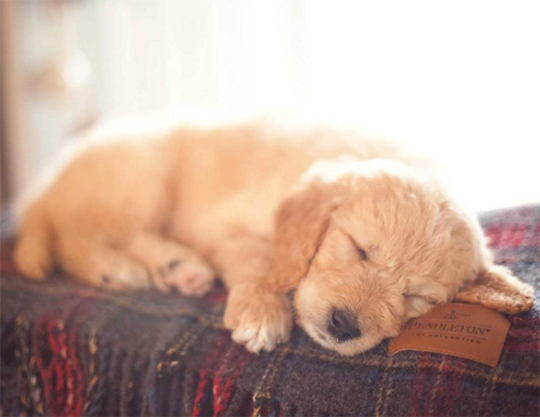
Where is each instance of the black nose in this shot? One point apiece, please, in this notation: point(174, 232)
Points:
point(343, 325)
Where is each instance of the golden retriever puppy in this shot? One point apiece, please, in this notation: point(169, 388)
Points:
point(363, 234)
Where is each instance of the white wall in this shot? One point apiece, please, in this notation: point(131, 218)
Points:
point(459, 78)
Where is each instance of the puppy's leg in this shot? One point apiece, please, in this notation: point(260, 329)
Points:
point(258, 317)
point(100, 265)
point(172, 265)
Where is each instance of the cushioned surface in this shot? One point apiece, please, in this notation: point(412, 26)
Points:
point(70, 350)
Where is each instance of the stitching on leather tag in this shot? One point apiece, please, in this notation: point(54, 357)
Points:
point(463, 330)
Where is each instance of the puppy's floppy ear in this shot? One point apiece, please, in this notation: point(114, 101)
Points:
point(301, 221)
point(498, 289)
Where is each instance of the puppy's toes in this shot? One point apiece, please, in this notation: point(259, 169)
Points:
point(173, 266)
point(190, 278)
point(259, 321)
point(262, 335)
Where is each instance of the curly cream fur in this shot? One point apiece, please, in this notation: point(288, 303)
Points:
point(268, 212)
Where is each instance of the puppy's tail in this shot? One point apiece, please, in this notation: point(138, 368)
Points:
point(34, 248)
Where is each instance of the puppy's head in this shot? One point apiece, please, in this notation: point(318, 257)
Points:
point(369, 245)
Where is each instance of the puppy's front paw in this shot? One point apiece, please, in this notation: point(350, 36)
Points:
point(258, 319)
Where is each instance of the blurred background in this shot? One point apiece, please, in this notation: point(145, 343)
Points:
point(459, 80)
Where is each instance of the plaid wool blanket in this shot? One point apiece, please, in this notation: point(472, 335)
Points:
point(68, 350)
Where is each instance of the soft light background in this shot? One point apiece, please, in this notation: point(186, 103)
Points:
point(458, 79)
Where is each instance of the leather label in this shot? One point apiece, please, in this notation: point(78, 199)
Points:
point(464, 330)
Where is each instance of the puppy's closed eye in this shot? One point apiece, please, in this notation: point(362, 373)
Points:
point(362, 253)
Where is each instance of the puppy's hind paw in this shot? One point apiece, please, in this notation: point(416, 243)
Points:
point(173, 266)
point(193, 278)
point(258, 320)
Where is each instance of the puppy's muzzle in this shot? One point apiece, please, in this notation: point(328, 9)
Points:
point(343, 326)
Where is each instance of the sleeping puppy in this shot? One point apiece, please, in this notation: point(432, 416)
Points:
point(364, 234)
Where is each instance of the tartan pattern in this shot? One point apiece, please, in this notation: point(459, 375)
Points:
point(74, 350)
